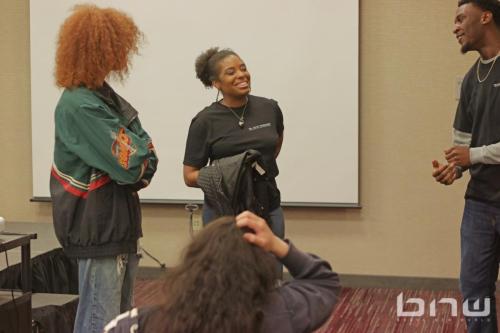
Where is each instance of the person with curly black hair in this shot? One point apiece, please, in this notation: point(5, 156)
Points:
point(476, 147)
point(232, 125)
point(226, 283)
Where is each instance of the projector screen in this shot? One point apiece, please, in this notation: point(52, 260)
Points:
point(302, 53)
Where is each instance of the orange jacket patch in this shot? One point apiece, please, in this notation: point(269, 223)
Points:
point(122, 148)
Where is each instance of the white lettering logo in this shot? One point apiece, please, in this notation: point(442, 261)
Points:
point(419, 313)
point(476, 312)
point(432, 307)
point(259, 126)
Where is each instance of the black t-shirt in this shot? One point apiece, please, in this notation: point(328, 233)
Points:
point(214, 133)
point(478, 113)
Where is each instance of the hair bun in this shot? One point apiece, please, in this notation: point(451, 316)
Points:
point(206, 64)
point(202, 67)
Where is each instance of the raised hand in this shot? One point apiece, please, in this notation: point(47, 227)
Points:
point(262, 236)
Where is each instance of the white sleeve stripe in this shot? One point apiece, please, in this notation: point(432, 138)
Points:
point(461, 138)
point(489, 154)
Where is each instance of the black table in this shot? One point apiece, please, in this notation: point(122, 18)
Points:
point(15, 306)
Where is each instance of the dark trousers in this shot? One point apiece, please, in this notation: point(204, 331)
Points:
point(480, 245)
point(276, 223)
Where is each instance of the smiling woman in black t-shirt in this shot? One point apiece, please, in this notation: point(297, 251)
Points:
point(234, 124)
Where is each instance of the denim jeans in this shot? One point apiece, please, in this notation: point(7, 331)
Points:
point(276, 223)
point(106, 288)
point(480, 244)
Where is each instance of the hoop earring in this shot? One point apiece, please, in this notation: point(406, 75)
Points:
point(217, 97)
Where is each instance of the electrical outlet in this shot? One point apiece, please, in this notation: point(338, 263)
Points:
point(197, 224)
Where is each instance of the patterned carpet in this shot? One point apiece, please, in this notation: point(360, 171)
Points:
point(371, 310)
point(374, 311)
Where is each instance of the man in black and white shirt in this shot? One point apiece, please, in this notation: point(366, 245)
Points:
point(476, 147)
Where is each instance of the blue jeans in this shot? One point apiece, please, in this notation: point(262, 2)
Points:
point(106, 288)
point(480, 245)
point(276, 223)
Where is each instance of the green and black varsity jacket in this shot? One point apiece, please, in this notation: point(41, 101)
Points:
point(102, 157)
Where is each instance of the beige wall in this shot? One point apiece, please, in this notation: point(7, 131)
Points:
point(408, 226)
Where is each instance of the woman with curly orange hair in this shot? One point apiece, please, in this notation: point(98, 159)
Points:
point(94, 43)
point(102, 157)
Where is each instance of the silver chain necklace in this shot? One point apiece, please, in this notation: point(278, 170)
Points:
point(241, 119)
point(481, 61)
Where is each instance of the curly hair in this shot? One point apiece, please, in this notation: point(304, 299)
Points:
point(206, 64)
point(492, 6)
point(93, 44)
point(220, 286)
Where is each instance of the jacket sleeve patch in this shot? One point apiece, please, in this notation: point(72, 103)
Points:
point(122, 147)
